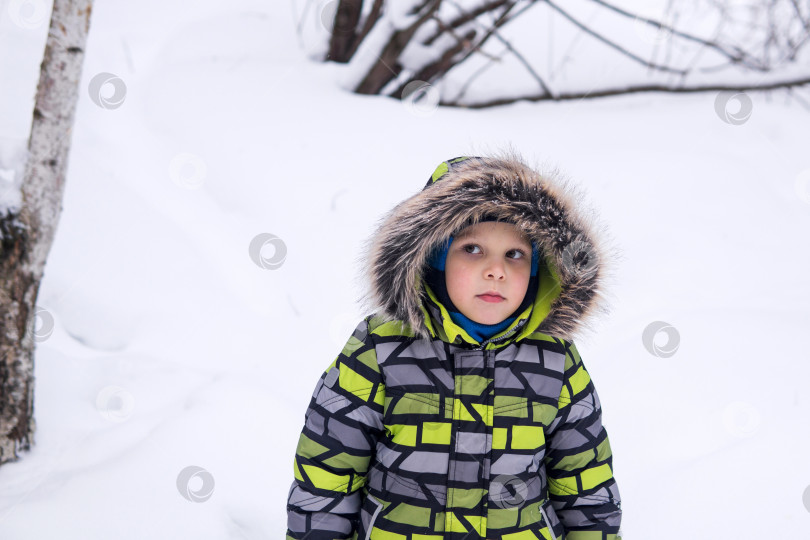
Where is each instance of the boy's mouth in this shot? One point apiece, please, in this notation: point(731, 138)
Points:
point(491, 297)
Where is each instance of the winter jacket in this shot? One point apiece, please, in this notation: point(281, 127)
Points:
point(416, 431)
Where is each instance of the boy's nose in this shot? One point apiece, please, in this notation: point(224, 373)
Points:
point(495, 270)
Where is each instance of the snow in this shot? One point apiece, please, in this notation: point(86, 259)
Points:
point(171, 348)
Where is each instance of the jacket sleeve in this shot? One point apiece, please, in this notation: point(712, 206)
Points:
point(342, 424)
point(579, 461)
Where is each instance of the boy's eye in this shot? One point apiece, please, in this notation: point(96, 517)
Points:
point(519, 252)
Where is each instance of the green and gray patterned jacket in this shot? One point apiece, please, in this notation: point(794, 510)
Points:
point(417, 431)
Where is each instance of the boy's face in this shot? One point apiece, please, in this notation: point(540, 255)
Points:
point(486, 257)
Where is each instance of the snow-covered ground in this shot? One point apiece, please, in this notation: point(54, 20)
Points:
point(172, 347)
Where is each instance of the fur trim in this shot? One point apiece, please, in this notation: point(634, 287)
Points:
point(542, 206)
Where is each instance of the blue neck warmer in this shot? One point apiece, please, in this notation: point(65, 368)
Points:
point(435, 278)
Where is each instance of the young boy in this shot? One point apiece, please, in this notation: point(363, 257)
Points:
point(461, 409)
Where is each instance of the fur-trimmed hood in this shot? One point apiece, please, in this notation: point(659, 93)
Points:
point(459, 193)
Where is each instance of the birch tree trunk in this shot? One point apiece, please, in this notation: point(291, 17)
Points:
point(26, 237)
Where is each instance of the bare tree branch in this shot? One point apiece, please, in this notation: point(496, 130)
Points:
point(567, 96)
point(387, 67)
point(502, 19)
point(522, 60)
point(612, 44)
point(465, 17)
point(371, 20)
point(755, 37)
point(474, 76)
point(343, 38)
point(444, 63)
point(736, 54)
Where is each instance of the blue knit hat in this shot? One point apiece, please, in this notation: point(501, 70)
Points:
point(435, 278)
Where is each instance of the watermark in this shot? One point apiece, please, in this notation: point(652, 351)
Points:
point(802, 185)
point(508, 491)
point(420, 98)
point(99, 94)
point(741, 419)
point(115, 403)
point(44, 329)
point(650, 336)
point(743, 112)
point(203, 480)
point(257, 248)
point(28, 14)
point(579, 258)
point(651, 33)
point(188, 170)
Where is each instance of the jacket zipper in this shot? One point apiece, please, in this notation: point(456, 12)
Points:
point(373, 518)
point(484, 344)
point(548, 523)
